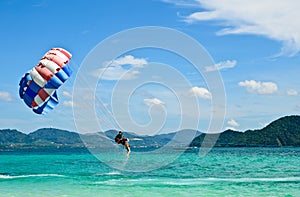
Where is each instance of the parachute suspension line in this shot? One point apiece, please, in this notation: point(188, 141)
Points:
point(104, 114)
point(107, 114)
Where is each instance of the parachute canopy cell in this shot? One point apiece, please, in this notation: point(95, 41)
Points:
point(38, 86)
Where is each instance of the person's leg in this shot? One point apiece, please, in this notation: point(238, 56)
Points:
point(127, 146)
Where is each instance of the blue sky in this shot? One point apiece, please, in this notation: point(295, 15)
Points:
point(255, 46)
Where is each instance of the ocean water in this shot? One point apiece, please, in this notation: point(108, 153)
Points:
point(222, 172)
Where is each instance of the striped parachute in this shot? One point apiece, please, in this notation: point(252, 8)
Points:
point(38, 86)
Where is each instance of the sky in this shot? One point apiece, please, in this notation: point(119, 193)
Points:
point(254, 46)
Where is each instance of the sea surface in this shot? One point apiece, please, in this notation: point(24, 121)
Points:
point(222, 172)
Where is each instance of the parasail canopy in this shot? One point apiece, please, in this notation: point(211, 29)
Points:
point(38, 86)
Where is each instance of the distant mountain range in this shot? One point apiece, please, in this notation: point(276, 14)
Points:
point(282, 132)
point(52, 138)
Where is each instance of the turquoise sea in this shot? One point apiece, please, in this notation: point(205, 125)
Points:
point(222, 172)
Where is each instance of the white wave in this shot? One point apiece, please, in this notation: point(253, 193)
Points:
point(29, 175)
point(195, 181)
point(109, 173)
point(242, 180)
point(233, 180)
point(113, 173)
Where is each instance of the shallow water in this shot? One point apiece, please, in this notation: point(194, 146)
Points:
point(223, 172)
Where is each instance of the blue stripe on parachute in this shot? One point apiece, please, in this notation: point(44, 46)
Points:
point(34, 87)
point(67, 70)
point(27, 99)
point(53, 100)
point(54, 83)
point(62, 75)
point(23, 84)
point(31, 91)
point(27, 95)
point(48, 105)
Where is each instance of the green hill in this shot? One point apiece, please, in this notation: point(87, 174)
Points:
point(282, 132)
point(13, 136)
point(56, 136)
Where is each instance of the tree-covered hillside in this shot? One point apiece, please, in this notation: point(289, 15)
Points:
point(282, 132)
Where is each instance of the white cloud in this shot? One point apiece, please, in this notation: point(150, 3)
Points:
point(117, 73)
point(129, 59)
point(123, 68)
point(153, 101)
point(105, 105)
point(221, 65)
point(5, 96)
point(68, 103)
point(233, 123)
point(259, 87)
point(67, 94)
point(200, 92)
point(277, 20)
point(292, 92)
point(85, 32)
point(182, 3)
